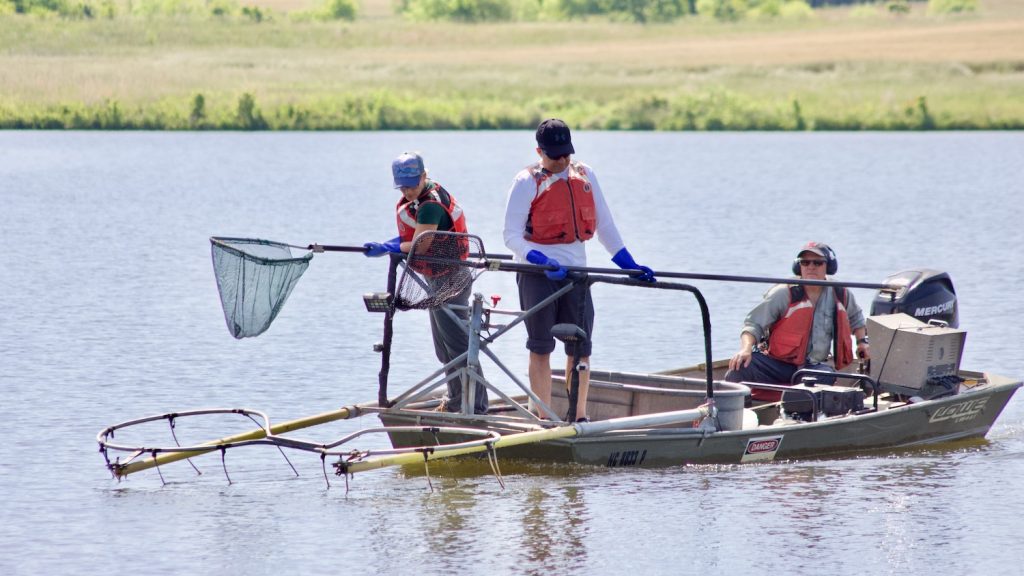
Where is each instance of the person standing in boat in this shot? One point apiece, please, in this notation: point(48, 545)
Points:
point(554, 206)
point(426, 206)
point(798, 326)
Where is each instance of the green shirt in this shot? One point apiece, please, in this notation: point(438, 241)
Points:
point(433, 213)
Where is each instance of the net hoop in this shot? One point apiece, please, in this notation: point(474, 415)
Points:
point(254, 279)
point(225, 243)
point(441, 272)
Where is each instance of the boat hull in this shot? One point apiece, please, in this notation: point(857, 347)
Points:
point(963, 416)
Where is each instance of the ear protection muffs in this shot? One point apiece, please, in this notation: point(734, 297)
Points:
point(831, 263)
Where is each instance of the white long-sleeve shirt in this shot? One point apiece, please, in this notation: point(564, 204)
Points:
point(517, 211)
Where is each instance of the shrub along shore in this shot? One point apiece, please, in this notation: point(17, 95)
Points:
point(716, 110)
point(829, 73)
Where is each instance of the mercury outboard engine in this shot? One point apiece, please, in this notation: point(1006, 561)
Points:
point(923, 293)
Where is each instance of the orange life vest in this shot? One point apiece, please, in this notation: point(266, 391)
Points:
point(405, 216)
point(563, 210)
point(788, 337)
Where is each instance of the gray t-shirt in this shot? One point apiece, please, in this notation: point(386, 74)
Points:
point(774, 305)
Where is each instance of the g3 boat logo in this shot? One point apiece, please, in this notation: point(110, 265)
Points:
point(959, 412)
point(763, 448)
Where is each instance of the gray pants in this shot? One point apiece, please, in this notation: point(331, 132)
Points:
point(451, 340)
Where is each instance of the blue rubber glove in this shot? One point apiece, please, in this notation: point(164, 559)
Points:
point(623, 259)
point(537, 257)
point(374, 249)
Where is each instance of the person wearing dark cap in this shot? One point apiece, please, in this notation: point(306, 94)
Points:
point(554, 206)
point(798, 326)
point(426, 206)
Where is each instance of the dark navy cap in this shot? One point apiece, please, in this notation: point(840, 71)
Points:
point(554, 139)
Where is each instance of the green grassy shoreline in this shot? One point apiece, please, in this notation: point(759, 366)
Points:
point(719, 110)
point(829, 74)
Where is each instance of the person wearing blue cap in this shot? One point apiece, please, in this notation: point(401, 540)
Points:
point(554, 206)
point(426, 206)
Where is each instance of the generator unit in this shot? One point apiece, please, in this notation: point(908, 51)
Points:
point(914, 358)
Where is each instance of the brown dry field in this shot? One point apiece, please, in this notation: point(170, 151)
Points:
point(961, 41)
point(143, 62)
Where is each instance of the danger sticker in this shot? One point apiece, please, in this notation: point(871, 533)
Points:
point(763, 448)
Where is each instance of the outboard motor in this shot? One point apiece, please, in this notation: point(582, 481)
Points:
point(923, 293)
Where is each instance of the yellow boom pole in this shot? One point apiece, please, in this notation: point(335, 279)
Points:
point(385, 460)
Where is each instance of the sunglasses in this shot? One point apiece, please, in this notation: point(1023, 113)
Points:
point(563, 156)
point(812, 263)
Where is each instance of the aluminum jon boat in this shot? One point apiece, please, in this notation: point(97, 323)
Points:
point(915, 395)
point(913, 392)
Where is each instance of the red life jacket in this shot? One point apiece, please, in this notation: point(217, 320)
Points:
point(405, 216)
point(563, 210)
point(788, 337)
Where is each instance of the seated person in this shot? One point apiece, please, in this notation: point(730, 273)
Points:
point(797, 326)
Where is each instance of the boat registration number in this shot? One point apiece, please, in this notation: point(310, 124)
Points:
point(627, 458)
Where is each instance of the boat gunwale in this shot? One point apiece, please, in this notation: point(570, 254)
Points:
point(991, 386)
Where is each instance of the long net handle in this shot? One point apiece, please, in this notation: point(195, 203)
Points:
point(657, 273)
point(332, 248)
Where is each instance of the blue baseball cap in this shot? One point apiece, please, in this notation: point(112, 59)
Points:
point(407, 169)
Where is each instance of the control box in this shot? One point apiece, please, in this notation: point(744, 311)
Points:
point(913, 358)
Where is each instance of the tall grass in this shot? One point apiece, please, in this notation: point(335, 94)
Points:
point(712, 110)
point(911, 73)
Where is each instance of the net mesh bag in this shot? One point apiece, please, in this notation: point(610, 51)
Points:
point(438, 268)
point(254, 278)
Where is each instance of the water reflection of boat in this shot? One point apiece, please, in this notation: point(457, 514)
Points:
point(914, 393)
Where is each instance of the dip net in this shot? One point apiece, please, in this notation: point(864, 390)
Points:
point(254, 278)
point(438, 268)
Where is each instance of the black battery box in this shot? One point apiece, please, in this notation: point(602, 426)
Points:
point(827, 400)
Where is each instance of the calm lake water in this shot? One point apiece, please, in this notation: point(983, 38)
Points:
point(111, 313)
